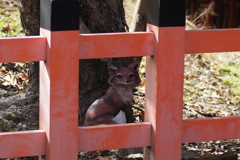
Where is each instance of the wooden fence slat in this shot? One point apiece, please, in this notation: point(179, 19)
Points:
point(33, 48)
point(164, 91)
point(23, 49)
point(164, 78)
point(207, 41)
point(104, 137)
point(109, 45)
point(58, 99)
point(206, 129)
point(22, 143)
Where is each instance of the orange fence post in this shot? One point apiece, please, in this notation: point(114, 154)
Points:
point(164, 78)
point(59, 78)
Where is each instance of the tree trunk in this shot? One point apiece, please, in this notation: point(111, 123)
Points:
point(139, 18)
point(100, 16)
point(30, 18)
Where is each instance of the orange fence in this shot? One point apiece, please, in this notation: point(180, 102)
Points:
point(31, 143)
point(60, 138)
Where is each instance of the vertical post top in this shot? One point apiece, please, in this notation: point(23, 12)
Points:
point(59, 15)
point(166, 13)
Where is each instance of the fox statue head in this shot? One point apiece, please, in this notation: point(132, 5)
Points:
point(127, 76)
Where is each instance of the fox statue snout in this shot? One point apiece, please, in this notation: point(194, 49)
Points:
point(108, 108)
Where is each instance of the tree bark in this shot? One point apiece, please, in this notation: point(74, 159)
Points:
point(30, 18)
point(100, 16)
point(139, 19)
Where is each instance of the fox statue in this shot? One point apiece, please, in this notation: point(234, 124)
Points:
point(108, 108)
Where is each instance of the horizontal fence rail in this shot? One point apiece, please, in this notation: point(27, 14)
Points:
point(105, 137)
point(206, 129)
point(32, 48)
point(117, 44)
point(23, 143)
point(207, 41)
point(109, 45)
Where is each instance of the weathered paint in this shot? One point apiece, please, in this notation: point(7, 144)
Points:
point(164, 92)
point(59, 94)
point(207, 41)
point(23, 143)
point(206, 129)
point(32, 48)
point(110, 45)
point(104, 137)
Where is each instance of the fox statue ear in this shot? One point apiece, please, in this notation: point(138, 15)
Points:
point(134, 66)
point(112, 68)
